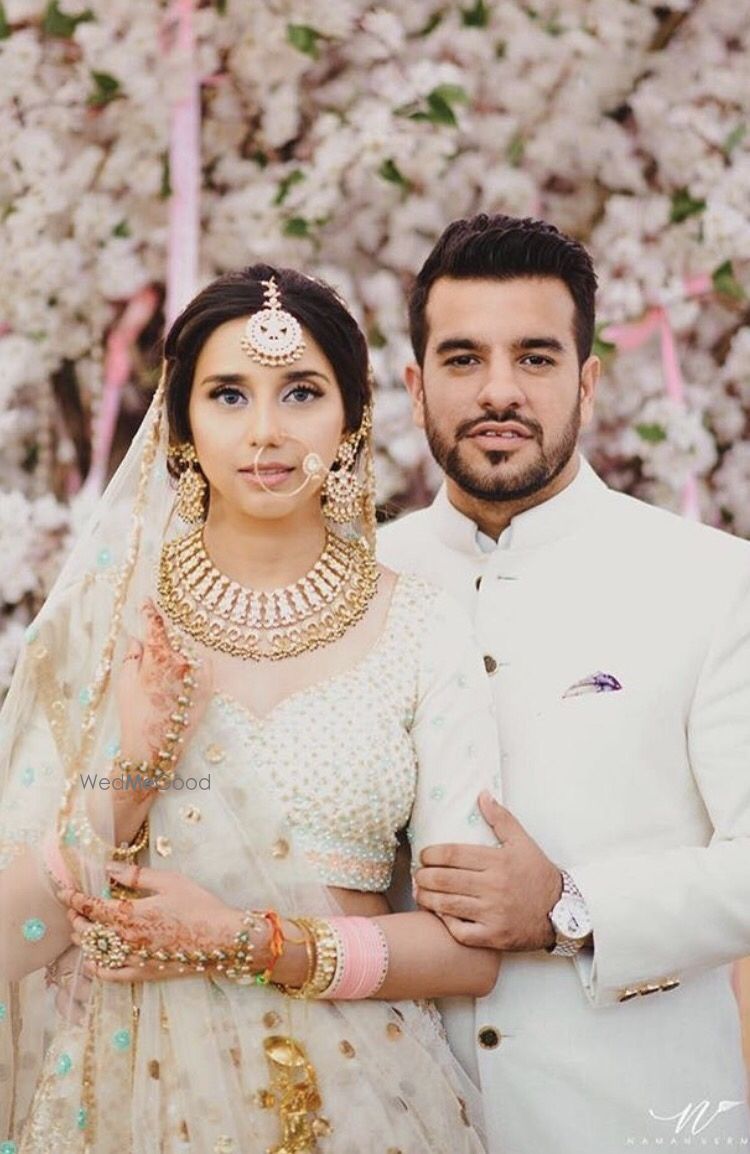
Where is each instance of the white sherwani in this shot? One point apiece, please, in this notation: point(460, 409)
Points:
point(642, 792)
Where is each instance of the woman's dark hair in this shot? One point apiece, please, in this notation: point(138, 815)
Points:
point(502, 248)
point(239, 294)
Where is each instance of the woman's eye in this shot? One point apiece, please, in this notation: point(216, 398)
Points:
point(302, 392)
point(228, 396)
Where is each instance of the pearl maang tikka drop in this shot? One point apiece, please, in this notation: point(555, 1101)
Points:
point(273, 336)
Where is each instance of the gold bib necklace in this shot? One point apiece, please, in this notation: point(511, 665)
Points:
point(256, 625)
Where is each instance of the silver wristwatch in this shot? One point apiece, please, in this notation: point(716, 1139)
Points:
point(570, 919)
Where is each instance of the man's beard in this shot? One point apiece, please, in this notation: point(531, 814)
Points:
point(548, 463)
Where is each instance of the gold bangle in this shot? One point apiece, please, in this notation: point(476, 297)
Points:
point(128, 852)
point(322, 962)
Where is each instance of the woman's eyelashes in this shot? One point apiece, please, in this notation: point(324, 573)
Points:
point(228, 395)
point(233, 397)
point(303, 392)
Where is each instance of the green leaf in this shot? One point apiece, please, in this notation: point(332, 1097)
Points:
point(390, 171)
point(303, 38)
point(478, 16)
point(440, 105)
point(726, 283)
point(451, 93)
point(684, 205)
point(375, 337)
point(121, 229)
point(736, 136)
point(296, 226)
point(654, 434)
point(221, 7)
point(288, 182)
point(57, 23)
point(601, 347)
point(106, 89)
point(259, 157)
point(166, 182)
point(434, 21)
point(516, 150)
point(4, 25)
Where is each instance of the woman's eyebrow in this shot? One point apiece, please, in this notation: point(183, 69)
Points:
point(224, 379)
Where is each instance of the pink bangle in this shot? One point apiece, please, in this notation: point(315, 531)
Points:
point(363, 956)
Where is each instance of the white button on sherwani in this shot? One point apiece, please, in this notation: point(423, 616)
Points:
point(617, 640)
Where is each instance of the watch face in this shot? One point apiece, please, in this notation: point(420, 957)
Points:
point(571, 919)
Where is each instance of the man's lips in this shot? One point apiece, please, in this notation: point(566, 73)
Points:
point(508, 431)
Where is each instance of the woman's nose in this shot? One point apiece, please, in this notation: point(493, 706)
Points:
point(264, 427)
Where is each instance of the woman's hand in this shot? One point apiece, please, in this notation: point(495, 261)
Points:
point(147, 691)
point(148, 686)
point(180, 915)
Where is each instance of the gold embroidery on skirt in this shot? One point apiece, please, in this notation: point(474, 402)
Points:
point(294, 1092)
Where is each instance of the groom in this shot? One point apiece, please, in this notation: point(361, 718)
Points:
point(617, 640)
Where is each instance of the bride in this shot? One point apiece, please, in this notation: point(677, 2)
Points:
point(223, 717)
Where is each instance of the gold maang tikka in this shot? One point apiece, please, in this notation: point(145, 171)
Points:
point(343, 492)
point(273, 336)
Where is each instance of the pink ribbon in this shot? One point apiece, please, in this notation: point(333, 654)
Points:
point(631, 336)
point(184, 162)
point(117, 364)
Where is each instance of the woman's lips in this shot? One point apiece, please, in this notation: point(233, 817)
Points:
point(271, 478)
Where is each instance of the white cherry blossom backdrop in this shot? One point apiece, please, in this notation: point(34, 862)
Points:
point(341, 136)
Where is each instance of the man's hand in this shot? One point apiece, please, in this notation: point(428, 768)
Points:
point(496, 896)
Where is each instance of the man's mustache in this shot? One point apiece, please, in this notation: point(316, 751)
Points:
point(467, 428)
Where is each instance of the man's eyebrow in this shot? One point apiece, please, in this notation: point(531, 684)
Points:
point(550, 343)
point(451, 344)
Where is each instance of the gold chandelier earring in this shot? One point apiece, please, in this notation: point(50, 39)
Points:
point(191, 484)
point(343, 493)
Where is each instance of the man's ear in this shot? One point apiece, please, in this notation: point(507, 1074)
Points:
point(415, 388)
point(589, 379)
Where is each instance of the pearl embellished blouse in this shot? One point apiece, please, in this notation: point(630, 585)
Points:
point(404, 739)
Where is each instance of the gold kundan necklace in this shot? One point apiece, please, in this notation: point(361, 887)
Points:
point(224, 615)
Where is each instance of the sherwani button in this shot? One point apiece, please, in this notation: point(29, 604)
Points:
point(489, 663)
point(626, 995)
point(649, 990)
point(489, 1038)
point(671, 984)
point(478, 582)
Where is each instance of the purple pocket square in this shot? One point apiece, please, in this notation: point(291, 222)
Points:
point(594, 683)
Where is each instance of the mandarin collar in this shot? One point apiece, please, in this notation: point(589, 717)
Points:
point(557, 517)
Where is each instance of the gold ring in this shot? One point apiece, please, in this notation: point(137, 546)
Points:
point(104, 946)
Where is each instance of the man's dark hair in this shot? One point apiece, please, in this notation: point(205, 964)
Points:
point(502, 248)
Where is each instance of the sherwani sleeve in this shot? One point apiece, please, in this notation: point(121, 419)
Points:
point(454, 732)
point(658, 916)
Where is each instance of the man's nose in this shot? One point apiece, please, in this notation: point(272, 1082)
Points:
point(500, 388)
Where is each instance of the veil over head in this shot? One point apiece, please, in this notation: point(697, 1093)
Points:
point(58, 730)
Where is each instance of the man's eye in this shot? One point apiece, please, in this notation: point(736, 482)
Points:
point(463, 360)
point(536, 361)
